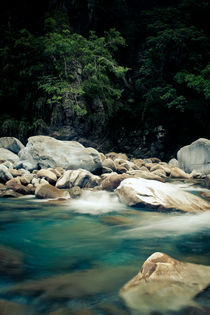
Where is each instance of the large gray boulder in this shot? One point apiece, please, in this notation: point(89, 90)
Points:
point(11, 143)
point(47, 152)
point(164, 284)
point(154, 194)
point(195, 156)
point(6, 155)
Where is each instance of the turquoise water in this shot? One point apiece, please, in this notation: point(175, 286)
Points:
point(77, 255)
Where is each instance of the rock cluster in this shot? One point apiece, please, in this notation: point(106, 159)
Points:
point(54, 169)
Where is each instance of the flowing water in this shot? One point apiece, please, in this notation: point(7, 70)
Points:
point(76, 255)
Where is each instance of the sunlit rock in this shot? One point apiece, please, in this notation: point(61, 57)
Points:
point(80, 177)
point(47, 152)
point(164, 283)
point(45, 191)
point(110, 164)
point(195, 156)
point(139, 191)
point(112, 181)
point(176, 172)
point(48, 175)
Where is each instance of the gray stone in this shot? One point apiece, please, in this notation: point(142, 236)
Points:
point(154, 194)
point(47, 152)
point(173, 162)
point(164, 284)
point(81, 178)
point(4, 174)
point(195, 156)
point(6, 155)
point(11, 143)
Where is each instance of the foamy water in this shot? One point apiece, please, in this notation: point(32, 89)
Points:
point(96, 202)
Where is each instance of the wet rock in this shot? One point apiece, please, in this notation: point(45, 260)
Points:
point(195, 156)
point(205, 194)
point(178, 173)
point(75, 192)
point(6, 155)
point(11, 261)
point(47, 152)
point(48, 175)
point(11, 144)
point(13, 308)
point(150, 193)
point(4, 174)
point(45, 191)
point(9, 193)
point(165, 283)
point(15, 184)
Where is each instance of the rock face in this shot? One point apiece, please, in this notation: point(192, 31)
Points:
point(195, 156)
point(47, 152)
point(151, 193)
point(11, 143)
point(165, 283)
point(45, 191)
point(6, 155)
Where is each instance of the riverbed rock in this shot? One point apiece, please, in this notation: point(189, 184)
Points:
point(48, 175)
point(80, 177)
point(164, 284)
point(11, 143)
point(45, 191)
point(5, 175)
point(6, 155)
point(110, 164)
point(176, 172)
point(154, 194)
point(144, 174)
point(13, 308)
point(47, 152)
point(173, 162)
point(9, 193)
point(112, 181)
point(195, 156)
point(15, 184)
point(114, 155)
point(11, 261)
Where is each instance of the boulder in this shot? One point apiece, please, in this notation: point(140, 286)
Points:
point(195, 156)
point(145, 174)
point(112, 181)
point(164, 284)
point(173, 162)
point(47, 152)
point(176, 172)
point(45, 191)
point(11, 144)
point(48, 175)
point(110, 164)
point(154, 194)
point(80, 177)
point(4, 174)
point(15, 184)
point(9, 193)
point(6, 155)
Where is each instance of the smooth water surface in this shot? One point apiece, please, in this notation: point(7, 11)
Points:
point(78, 254)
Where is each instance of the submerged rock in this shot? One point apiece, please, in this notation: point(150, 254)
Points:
point(151, 193)
point(165, 283)
point(45, 191)
point(11, 261)
point(195, 156)
point(47, 152)
point(13, 308)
